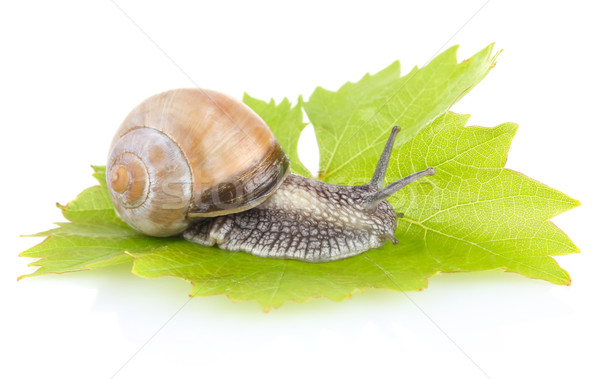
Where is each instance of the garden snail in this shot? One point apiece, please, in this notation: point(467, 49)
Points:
point(200, 163)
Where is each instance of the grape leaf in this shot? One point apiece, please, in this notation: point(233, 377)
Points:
point(353, 123)
point(286, 123)
point(472, 215)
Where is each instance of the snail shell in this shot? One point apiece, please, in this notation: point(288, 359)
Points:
point(186, 154)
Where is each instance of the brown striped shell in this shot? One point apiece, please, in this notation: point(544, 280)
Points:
point(185, 154)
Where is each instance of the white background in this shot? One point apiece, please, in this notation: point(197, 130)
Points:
point(69, 73)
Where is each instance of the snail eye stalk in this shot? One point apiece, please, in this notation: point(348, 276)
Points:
point(372, 200)
point(384, 159)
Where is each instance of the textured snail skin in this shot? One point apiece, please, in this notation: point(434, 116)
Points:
point(305, 220)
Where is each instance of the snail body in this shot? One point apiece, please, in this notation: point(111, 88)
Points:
point(199, 163)
point(304, 219)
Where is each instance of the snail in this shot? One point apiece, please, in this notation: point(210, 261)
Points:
point(200, 164)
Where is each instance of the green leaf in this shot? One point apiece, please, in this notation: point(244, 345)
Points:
point(472, 215)
point(286, 123)
point(271, 282)
point(353, 123)
point(95, 235)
